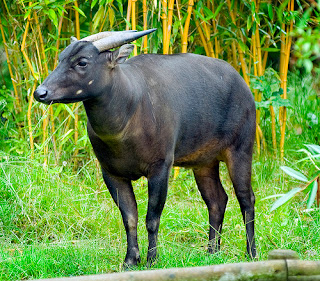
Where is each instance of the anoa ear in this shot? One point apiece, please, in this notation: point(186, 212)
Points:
point(123, 53)
point(73, 39)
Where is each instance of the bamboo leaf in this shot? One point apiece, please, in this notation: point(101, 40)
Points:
point(293, 173)
point(111, 17)
point(285, 198)
point(97, 17)
point(218, 9)
point(79, 11)
point(27, 14)
point(313, 193)
point(53, 17)
point(67, 108)
point(271, 50)
point(270, 11)
point(313, 148)
point(93, 3)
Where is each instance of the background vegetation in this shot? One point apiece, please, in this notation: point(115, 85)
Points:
point(56, 216)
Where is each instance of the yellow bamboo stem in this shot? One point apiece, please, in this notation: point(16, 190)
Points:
point(76, 115)
point(145, 41)
point(133, 23)
point(42, 52)
point(284, 70)
point(234, 56)
point(179, 17)
point(169, 26)
point(186, 27)
point(203, 39)
point(55, 63)
point(256, 94)
point(29, 119)
point(165, 26)
point(128, 13)
point(214, 25)
point(206, 29)
point(10, 69)
point(241, 58)
point(24, 52)
point(273, 129)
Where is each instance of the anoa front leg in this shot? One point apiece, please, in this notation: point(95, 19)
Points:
point(122, 193)
point(157, 193)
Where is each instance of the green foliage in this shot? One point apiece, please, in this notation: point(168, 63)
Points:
point(269, 86)
point(307, 47)
point(312, 182)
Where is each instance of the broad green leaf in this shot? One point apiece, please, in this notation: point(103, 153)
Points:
point(285, 198)
point(312, 194)
point(308, 65)
point(293, 173)
point(262, 104)
point(278, 101)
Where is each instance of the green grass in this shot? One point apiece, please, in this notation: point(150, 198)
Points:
point(63, 224)
point(61, 221)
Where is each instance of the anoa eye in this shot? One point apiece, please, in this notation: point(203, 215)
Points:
point(82, 63)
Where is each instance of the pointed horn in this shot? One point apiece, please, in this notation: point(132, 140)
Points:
point(104, 34)
point(119, 39)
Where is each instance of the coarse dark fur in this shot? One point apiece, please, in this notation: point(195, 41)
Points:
point(152, 112)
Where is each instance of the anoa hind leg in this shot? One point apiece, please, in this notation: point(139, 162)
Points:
point(239, 164)
point(216, 199)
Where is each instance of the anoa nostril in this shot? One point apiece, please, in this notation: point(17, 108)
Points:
point(40, 93)
point(43, 94)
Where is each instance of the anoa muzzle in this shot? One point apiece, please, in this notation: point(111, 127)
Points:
point(151, 112)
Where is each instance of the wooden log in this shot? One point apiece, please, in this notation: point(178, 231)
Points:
point(264, 270)
point(301, 269)
point(283, 254)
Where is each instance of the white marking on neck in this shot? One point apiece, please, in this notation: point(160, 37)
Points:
point(90, 82)
point(79, 92)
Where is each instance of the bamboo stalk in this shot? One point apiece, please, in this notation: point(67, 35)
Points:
point(29, 119)
point(256, 94)
point(165, 26)
point(203, 39)
point(169, 26)
point(17, 100)
point(234, 56)
point(206, 29)
point(318, 192)
point(133, 23)
point(76, 115)
point(214, 25)
point(179, 17)
point(284, 81)
point(186, 27)
point(55, 63)
point(128, 13)
point(241, 58)
point(144, 11)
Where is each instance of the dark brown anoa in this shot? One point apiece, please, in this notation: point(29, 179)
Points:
point(152, 112)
